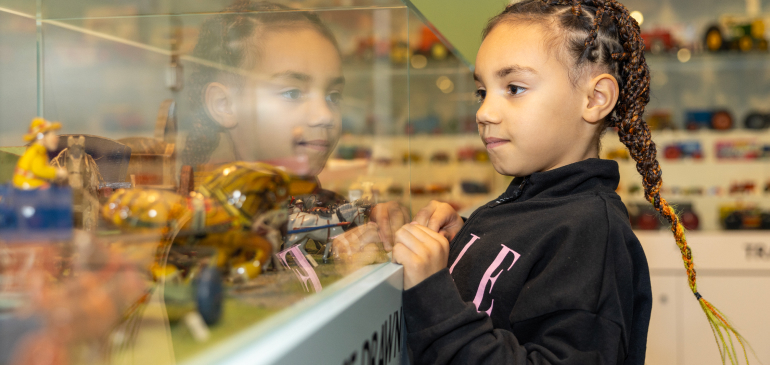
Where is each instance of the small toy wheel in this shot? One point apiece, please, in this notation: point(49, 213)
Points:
point(209, 293)
point(764, 221)
point(756, 121)
point(648, 221)
point(722, 120)
point(734, 221)
point(657, 46)
point(746, 43)
point(690, 221)
point(714, 39)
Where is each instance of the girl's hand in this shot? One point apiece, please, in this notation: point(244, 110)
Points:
point(441, 218)
point(389, 217)
point(347, 244)
point(421, 250)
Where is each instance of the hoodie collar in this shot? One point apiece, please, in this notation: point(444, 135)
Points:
point(588, 175)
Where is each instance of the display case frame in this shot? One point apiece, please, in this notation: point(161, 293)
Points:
point(354, 315)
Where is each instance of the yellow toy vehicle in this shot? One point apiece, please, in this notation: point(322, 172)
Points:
point(231, 223)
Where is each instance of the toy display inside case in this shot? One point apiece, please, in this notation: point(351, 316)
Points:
point(707, 113)
point(211, 214)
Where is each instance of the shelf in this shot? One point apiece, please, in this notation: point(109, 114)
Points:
point(355, 69)
point(710, 61)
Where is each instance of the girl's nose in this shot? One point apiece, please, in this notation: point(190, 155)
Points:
point(321, 114)
point(487, 113)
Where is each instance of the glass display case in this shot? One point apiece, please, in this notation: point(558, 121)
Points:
point(215, 174)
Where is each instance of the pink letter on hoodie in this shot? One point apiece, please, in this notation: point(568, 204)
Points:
point(489, 278)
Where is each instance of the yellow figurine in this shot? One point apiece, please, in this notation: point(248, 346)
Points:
point(33, 170)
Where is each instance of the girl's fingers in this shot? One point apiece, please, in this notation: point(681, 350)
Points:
point(437, 216)
point(397, 217)
point(368, 234)
point(406, 238)
point(383, 222)
point(426, 235)
point(352, 240)
point(340, 246)
point(402, 254)
point(423, 216)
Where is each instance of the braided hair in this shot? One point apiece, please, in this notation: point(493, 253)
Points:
point(600, 35)
point(227, 40)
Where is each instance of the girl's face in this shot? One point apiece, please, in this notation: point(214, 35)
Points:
point(291, 110)
point(530, 118)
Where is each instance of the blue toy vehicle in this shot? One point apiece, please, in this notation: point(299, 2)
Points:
point(35, 215)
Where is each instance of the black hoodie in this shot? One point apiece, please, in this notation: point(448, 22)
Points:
point(548, 273)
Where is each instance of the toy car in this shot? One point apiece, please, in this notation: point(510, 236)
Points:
point(231, 224)
point(679, 150)
point(431, 46)
point(472, 154)
point(714, 119)
point(659, 120)
point(617, 154)
point(440, 157)
point(411, 157)
point(437, 188)
point(738, 217)
point(645, 217)
point(658, 41)
point(746, 187)
point(353, 152)
point(738, 149)
point(473, 187)
point(736, 34)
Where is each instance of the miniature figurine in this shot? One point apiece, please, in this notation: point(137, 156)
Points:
point(321, 225)
point(31, 209)
point(33, 170)
point(84, 179)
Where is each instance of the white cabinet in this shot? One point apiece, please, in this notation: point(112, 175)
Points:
point(662, 339)
point(733, 273)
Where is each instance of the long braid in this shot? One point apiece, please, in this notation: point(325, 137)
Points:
point(610, 38)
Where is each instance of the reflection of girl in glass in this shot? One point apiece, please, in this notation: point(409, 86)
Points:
point(283, 101)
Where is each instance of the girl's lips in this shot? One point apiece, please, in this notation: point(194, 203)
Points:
point(317, 144)
point(492, 142)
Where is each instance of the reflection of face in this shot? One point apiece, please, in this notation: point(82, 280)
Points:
point(530, 112)
point(292, 108)
point(50, 141)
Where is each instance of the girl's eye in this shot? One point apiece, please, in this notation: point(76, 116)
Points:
point(334, 98)
point(480, 95)
point(293, 94)
point(515, 90)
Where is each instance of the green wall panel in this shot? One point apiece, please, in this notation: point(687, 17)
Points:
point(460, 21)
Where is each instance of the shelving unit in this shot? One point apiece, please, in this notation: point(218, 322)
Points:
point(703, 173)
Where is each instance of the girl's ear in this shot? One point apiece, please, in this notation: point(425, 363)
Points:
point(602, 97)
point(219, 105)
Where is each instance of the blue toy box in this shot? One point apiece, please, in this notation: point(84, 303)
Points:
point(35, 215)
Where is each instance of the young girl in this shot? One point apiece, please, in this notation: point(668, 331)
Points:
point(550, 272)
